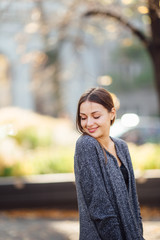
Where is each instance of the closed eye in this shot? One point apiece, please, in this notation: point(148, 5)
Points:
point(96, 117)
point(83, 118)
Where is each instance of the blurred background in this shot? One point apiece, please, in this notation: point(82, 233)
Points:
point(51, 52)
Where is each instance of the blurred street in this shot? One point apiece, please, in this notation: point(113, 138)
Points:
point(54, 225)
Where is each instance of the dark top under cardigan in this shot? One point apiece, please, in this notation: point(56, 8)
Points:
point(107, 210)
point(124, 173)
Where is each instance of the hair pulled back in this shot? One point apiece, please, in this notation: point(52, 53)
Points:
point(98, 95)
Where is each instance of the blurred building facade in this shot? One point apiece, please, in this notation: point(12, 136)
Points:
point(41, 74)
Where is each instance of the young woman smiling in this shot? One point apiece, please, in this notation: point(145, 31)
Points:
point(105, 183)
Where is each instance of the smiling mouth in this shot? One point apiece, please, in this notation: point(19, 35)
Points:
point(92, 130)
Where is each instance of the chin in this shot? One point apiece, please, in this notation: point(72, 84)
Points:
point(94, 135)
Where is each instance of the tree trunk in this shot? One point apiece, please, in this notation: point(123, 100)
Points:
point(154, 48)
point(155, 56)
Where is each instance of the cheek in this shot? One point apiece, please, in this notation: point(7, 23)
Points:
point(105, 122)
point(82, 124)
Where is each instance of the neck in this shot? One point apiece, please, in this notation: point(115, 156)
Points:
point(105, 142)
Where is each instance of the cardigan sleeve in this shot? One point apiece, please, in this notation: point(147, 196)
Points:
point(134, 183)
point(96, 198)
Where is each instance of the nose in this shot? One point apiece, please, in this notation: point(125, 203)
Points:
point(89, 122)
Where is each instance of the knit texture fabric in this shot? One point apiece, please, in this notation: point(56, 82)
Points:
point(107, 210)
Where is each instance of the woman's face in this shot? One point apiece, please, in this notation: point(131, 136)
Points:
point(95, 119)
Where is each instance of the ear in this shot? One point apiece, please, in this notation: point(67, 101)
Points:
point(113, 113)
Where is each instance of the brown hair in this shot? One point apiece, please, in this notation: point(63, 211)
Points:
point(97, 95)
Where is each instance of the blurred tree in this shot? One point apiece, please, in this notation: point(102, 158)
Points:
point(151, 42)
point(51, 102)
point(55, 30)
point(132, 69)
point(60, 21)
point(68, 24)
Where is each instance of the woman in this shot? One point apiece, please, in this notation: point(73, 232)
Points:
point(105, 183)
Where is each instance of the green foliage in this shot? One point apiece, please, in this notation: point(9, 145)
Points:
point(56, 160)
point(41, 161)
point(133, 68)
point(145, 156)
point(36, 152)
point(134, 52)
point(32, 137)
point(37, 145)
point(6, 171)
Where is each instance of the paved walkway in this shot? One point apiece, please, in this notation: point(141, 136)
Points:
point(38, 228)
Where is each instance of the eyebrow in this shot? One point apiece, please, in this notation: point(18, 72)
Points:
point(91, 113)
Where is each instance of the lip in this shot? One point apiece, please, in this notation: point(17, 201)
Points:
point(92, 130)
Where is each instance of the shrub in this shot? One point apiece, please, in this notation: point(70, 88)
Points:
point(145, 156)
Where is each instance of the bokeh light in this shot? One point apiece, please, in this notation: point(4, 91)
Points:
point(130, 120)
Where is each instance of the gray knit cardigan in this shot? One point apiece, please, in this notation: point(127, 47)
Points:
point(107, 210)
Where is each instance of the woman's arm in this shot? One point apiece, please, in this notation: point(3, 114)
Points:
point(96, 197)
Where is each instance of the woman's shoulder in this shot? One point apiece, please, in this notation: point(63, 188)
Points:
point(86, 151)
point(86, 140)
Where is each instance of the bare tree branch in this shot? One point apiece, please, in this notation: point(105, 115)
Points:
point(121, 20)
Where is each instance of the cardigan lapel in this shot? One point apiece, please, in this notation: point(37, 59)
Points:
point(119, 153)
point(123, 159)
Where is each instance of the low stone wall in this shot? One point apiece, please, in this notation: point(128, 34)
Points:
point(58, 190)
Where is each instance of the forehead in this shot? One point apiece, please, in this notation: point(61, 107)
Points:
point(89, 107)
